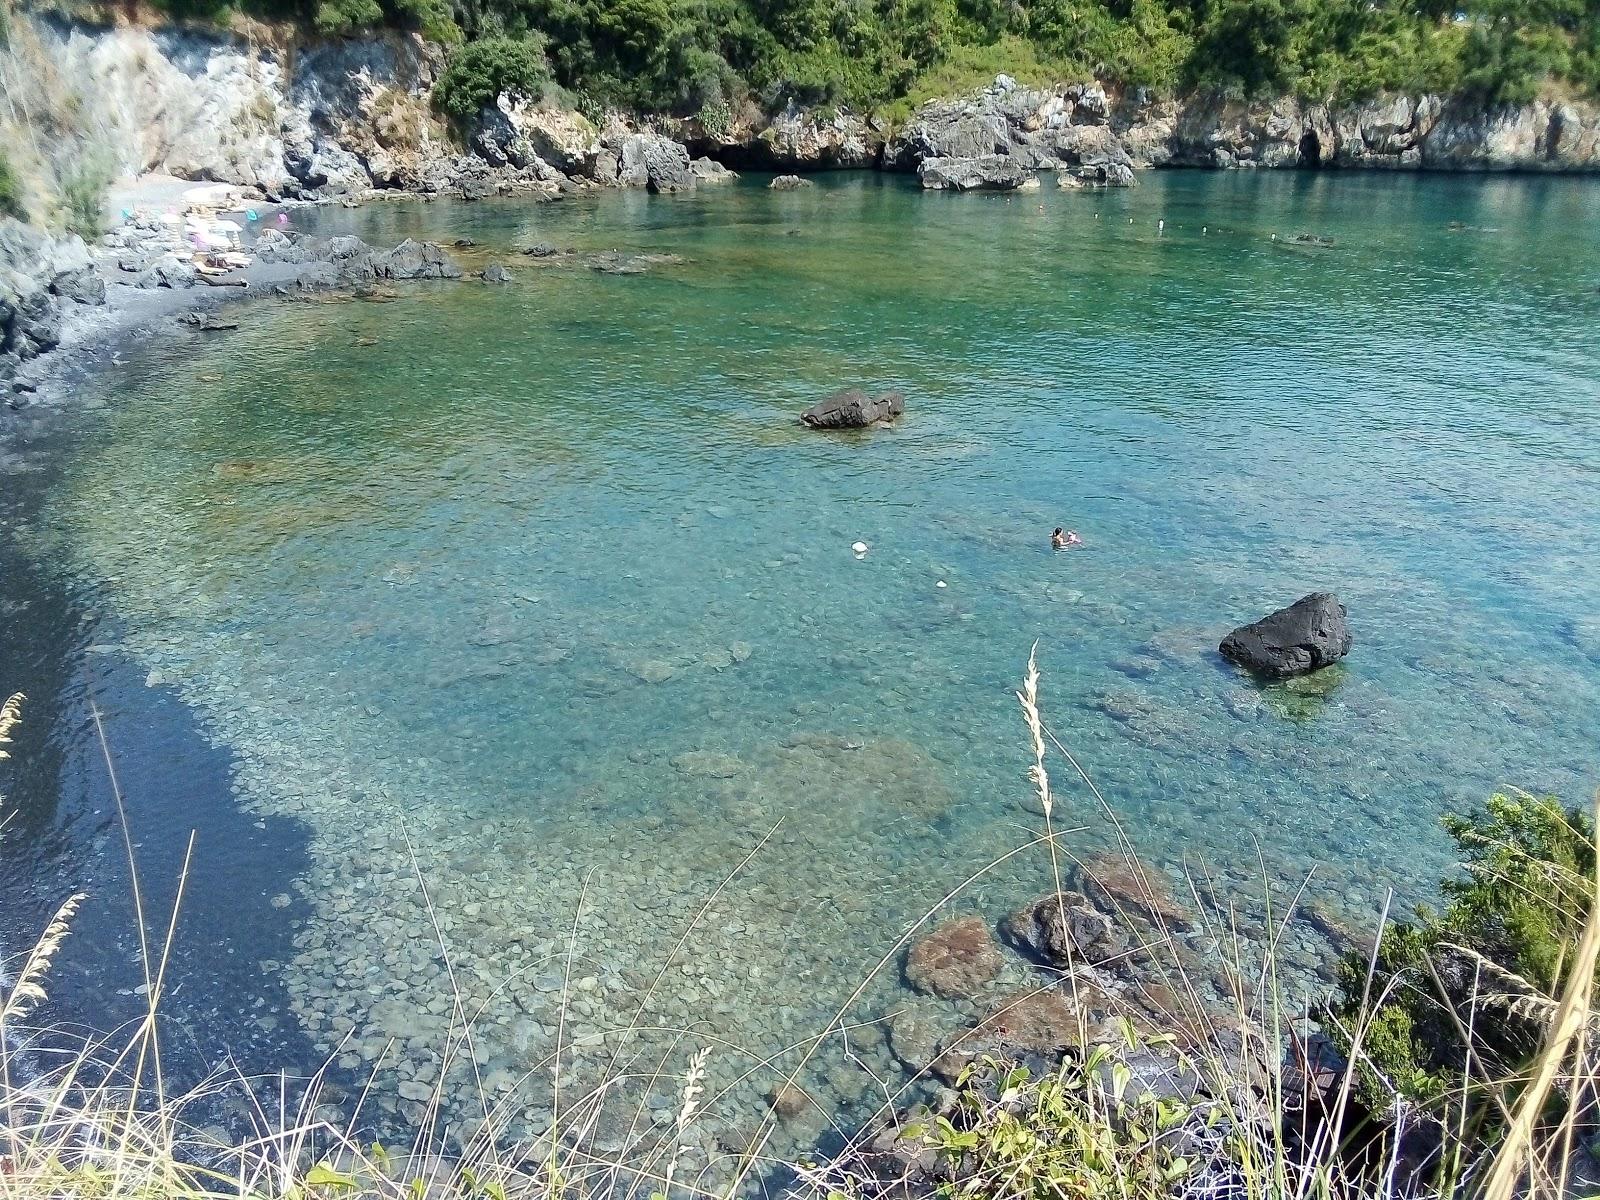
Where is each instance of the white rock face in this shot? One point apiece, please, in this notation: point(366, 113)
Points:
point(209, 105)
point(1212, 130)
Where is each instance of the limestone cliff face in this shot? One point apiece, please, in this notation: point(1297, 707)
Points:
point(259, 110)
point(263, 107)
point(1060, 126)
point(1409, 132)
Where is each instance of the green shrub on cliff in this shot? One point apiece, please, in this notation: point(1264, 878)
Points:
point(11, 203)
point(481, 71)
point(1488, 961)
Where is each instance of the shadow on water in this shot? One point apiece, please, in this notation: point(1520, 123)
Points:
point(222, 1008)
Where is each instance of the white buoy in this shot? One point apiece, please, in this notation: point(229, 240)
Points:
point(1161, 226)
point(941, 583)
point(1130, 220)
point(1202, 230)
point(860, 548)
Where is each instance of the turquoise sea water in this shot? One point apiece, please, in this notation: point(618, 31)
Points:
point(544, 586)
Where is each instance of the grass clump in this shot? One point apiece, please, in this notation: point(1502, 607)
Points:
point(83, 188)
point(11, 199)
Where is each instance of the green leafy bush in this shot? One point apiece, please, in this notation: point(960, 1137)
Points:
point(1488, 960)
point(481, 71)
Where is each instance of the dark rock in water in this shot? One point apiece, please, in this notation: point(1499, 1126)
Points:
point(988, 173)
point(207, 323)
point(1066, 929)
point(1097, 171)
point(463, 243)
point(1033, 1028)
point(541, 250)
point(789, 183)
point(854, 409)
point(495, 273)
point(955, 960)
point(1311, 633)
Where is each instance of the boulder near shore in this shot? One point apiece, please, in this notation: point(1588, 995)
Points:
point(1311, 633)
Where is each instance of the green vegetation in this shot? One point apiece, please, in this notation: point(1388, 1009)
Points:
point(482, 70)
point(1499, 951)
point(685, 55)
point(83, 198)
point(1086, 1130)
point(11, 204)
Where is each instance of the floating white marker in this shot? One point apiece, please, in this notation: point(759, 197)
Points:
point(1130, 220)
point(941, 583)
point(1161, 226)
point(1202, 230)
point(860, 548)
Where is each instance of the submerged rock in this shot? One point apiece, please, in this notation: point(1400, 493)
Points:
point(787, 1101)
point(854, 409)
point(1309, 634)
point(1124, 886)
point(955, 960)
point(207, 323)
point(495, 273)
point(1033, 1027)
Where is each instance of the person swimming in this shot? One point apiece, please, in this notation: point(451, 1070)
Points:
point(1061, 539)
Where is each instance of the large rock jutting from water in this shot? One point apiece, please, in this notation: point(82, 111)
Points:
point(854, 409)
point(1310, 634)
point(989, 173)
point(956, 960)
point(1066, 929)
point(651, 161)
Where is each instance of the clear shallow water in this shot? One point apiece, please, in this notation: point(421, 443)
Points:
point(545, 581)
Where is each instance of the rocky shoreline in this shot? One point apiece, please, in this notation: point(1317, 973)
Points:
point(285, 120)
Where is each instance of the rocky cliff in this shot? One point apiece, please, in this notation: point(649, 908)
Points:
point(262, 107)
point(1087, 125)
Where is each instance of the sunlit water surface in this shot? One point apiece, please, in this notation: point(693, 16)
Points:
point(539, 593)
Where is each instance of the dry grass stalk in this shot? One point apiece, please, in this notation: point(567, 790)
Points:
point(29, 987)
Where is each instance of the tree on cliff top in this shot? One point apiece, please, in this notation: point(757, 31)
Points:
point(480, 71)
